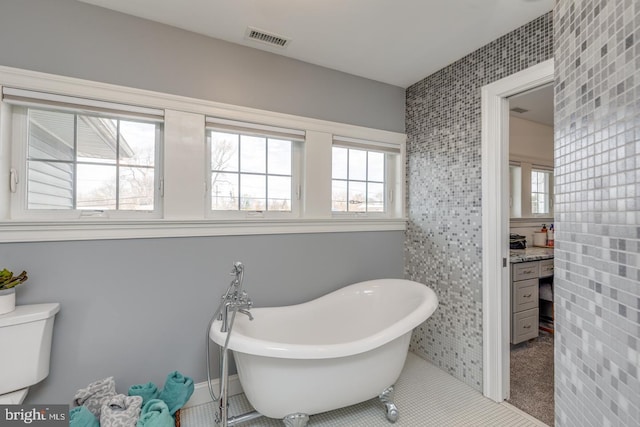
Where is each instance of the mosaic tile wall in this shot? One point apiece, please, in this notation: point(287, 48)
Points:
point(443, 239)
point(597, 176)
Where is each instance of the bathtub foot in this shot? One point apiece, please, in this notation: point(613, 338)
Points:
point(296, 420)
point(386, 397)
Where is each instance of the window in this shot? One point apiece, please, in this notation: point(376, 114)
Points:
point(79, 161)
point(531, 190)
point(357, 180)
point(540, 192)
point(88, 160)
point(515, 190)
point(360, 176)
point(253, 167)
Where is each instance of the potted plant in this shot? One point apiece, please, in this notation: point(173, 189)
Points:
point(8, 283)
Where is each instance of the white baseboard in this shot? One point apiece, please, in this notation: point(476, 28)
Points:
point(201, 394)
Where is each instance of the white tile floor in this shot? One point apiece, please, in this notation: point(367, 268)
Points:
point(425, 396)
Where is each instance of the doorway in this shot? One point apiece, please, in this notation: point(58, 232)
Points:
point(495, 223)
point(531, 210)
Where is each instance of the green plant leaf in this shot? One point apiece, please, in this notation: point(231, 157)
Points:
point(8, 281)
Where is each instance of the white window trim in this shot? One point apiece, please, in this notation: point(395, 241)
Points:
point(28, 231)
point(184, 188)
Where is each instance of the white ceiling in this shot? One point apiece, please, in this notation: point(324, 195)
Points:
point(538, 102)
point(398, 42)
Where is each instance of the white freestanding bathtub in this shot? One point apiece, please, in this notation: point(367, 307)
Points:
point(340, 349)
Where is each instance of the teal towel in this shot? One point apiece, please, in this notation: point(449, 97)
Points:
point(176, 391)
point(155, 413)
point(81, 416)
point(147, 391)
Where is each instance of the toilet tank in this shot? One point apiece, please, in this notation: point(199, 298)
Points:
point(25, 334)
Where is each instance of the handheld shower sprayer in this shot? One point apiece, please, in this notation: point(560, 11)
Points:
point(234, 301)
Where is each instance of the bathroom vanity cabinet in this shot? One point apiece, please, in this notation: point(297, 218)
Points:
point(525, 281)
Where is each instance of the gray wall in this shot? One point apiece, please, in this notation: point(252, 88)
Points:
point(444, 237)
point(80, 40)
point(138, 309)
point(597, 158)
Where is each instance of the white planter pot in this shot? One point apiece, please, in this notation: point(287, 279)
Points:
point(7, 301)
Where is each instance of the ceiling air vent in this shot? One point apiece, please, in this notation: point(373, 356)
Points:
point(519, 110)
point(265, 37)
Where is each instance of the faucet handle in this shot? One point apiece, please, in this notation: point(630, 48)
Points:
point(244, 299)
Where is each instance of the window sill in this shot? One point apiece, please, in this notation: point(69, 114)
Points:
point(536, 219)
point(45, 231)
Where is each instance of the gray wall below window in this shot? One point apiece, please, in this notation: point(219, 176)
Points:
point(76, 39)
point(138, 309)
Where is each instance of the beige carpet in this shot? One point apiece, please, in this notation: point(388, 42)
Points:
point(532, 377)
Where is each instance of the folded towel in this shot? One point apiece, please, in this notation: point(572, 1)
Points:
point(155, 413)
point(147, 391)
point(81, 416)
point(95, 395)
point(176, 391)
point(121, 411)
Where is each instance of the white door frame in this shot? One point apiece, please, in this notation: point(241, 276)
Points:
point(495, 223)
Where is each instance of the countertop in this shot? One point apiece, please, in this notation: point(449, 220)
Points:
point(530, 254)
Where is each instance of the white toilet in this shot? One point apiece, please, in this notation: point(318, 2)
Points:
point(25, 334)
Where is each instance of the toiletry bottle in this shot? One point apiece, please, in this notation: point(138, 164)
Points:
point(544, 230)
point(550, 236)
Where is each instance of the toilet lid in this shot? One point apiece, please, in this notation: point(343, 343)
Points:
point(29, 313)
